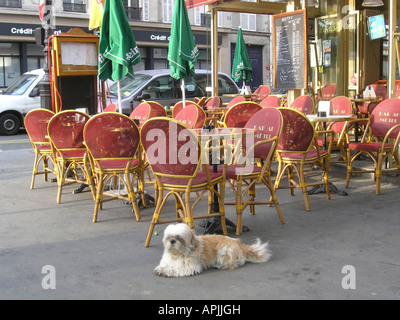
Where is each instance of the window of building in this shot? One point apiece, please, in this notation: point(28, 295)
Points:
point(132, 9)
point(74, 6)
point(146, 10)
point(167, 9)
point(248, 21)
point(11, 3)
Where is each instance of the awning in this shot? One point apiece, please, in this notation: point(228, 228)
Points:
point(196, 3)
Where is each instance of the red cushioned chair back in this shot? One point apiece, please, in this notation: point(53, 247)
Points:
point(110, 108)
point(267, 124)
point(36, 122)
point(263, 91)
point(341, 106)
point(380, 92)
point(235, 100)
point(303, 104)
point(328, 92)
point(142, 113)
point(384, 117)
point(188, 116)
point(270, 101)
point(157, 110)
point(172, 149)
point(238, 115)
point(297, 131)
point(201, 101)
point(178, 107)
point(213, 103)
point(65, 129)
point(111, 135)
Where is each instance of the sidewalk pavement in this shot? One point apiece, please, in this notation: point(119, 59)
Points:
point(345, 248)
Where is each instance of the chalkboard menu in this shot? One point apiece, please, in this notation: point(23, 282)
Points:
point(290, 50)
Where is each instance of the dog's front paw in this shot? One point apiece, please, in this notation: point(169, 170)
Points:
point(162, 272)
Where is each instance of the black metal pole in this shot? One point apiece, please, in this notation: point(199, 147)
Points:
point(44, 84)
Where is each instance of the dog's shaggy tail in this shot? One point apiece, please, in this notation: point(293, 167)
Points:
point(258, 252)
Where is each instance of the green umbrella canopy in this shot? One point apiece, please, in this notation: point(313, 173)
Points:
point(182, 51)
point(241, 67)
point(117, 48)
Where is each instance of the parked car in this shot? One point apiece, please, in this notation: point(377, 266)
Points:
point(15, 101)
point(158, 85)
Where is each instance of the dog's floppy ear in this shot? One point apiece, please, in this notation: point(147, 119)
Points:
point(192, 240)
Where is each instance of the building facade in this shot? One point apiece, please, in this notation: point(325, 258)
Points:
point(150, 21)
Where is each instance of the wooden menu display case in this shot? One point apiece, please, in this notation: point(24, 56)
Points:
point(75, 70)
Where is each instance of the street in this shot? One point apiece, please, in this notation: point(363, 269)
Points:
point(19, 141)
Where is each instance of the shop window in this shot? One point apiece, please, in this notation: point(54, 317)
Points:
point(9, 70)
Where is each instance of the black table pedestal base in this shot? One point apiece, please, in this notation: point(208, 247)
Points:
point(213, 225)
point(322, 189)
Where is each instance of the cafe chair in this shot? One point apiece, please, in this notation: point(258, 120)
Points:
point(327, 92)
point(157, 110)
point(65, 132)
point(112, 140)
point(200, 101)
point(234, 101)
point(238, 115)
point(110, 108)
point(298, 152)
point(380, 142)
point(213, 103)
point(143, 112)
point(175, 156)
point(36, 122)
point(366, 108)
point(304, 104)
point(179, 106)
point(192, 116)
point(255, 165)
point(270, 101)
point(341, 106)
point(261, 93)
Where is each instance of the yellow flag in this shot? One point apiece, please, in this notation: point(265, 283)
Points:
point(96, 13)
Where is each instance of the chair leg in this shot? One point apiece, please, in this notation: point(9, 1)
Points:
point(252, 195)
point(61, 180)
point(349, 168)
point(99, 196)
point(156, 216)
point(239, 207)
point(378, 173)
point(274, 198)
point(132, 197)
point(222, 206)
point(303, 186)
point(35, 169)
point(290, 179)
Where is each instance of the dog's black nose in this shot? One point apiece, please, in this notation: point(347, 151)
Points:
point(173, 241)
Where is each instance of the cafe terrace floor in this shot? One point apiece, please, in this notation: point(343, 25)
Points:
point(312, 252)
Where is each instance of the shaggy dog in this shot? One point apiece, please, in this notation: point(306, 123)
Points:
point(186, 254)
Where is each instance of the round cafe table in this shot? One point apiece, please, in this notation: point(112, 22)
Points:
point(215, 135)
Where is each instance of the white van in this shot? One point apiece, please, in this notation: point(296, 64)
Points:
point(18, 99)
